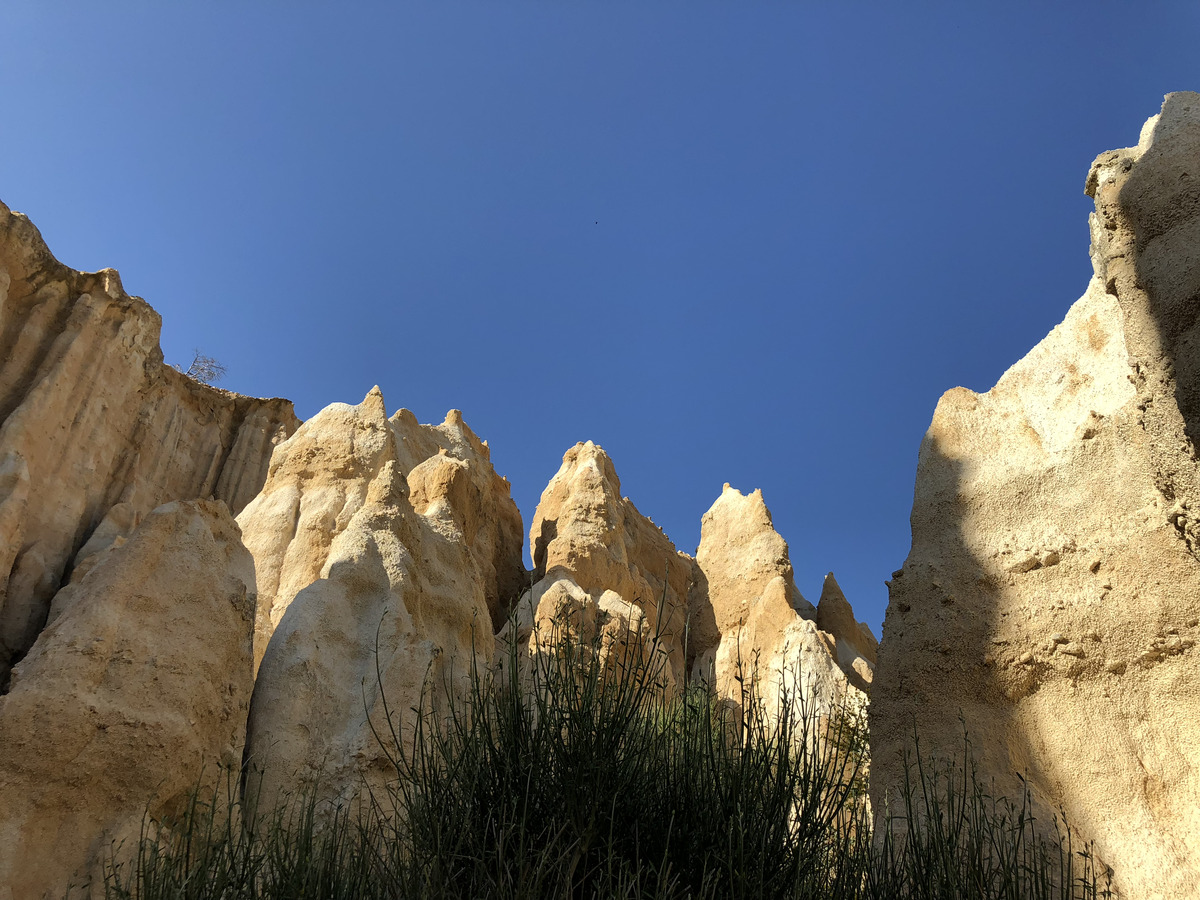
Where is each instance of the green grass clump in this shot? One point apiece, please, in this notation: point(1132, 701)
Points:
point(571, 776)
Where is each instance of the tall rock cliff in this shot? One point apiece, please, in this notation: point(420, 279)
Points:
point(385, 551)
point(1052, 593)
point(95, 430)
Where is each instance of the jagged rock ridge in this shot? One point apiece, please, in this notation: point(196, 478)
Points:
point(154, 640)
point(731, 616)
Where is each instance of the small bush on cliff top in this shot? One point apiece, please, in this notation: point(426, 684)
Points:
point(203, 369)
point(570, 781)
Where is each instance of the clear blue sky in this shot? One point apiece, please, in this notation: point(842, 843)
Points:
point(743, 242)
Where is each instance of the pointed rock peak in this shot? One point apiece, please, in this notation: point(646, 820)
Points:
point(592, 455)
point(456, 427)
point(737, 536)
point(404, 416)
point(747, 508)
point(373, 404)
point(836, 616)
point(586, 450)
point(832, 591)
point(110, 279)
point(855, 647)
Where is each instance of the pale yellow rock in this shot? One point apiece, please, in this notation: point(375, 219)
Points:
point(135, 692)
point(1053, 589)
point(320, 478)
point(384, 550)
point(98, 419)
point(855, 645)
point(756, 629)
point(604, 569)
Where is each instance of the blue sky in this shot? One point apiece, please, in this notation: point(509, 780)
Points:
point(744, 242)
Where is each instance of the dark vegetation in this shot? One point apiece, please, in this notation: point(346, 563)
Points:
point(203, 369)
point(563, 778)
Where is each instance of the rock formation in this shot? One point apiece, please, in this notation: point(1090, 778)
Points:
point(384, 550)
point(139, 687)
point(603, 572)
point(1052, 593)
point(95, 430)
point(144, 646)
point(754, 626)
point(855, 646)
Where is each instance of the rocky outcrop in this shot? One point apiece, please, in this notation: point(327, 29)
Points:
point(139, 688)
point(603, 573)
point(148, 646)
point(754, 627)
point(855, 646)
point(1052, 593)
point(384, 551)
point(606, 574)
point(95, 430)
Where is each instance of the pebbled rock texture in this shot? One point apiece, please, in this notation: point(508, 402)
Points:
point(1052, 593)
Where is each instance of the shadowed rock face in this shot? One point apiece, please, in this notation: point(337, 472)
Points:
point(1052, 593)
point(139, 687)
point(384, 552)
point(855, 647)
point(95, 430)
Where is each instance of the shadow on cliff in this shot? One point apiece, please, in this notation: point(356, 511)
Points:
point(1160, 297)
point(943, 656)
point(946, 690)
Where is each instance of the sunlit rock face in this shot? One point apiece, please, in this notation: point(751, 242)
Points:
point(152, 638)
point(95, 430)
point(1052, 593)
point(384, 551)
point(753, 626)
point(604, 574)
point(731, 617)
point(135, 695)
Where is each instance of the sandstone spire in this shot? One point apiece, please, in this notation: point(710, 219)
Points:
point(752, 623)
point(384, 550)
